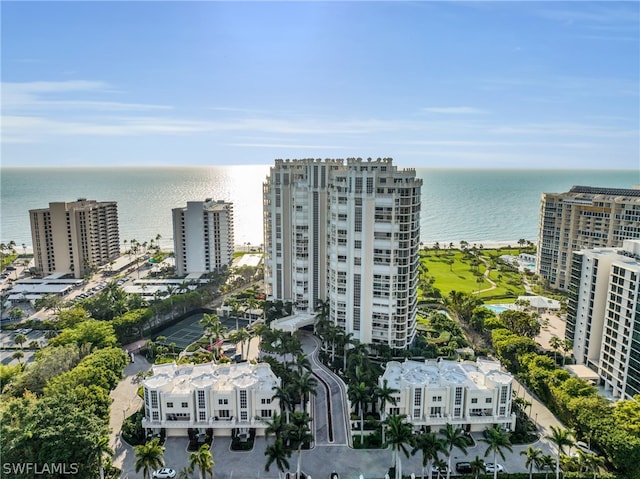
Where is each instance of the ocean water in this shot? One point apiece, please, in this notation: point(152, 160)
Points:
point(475, 205)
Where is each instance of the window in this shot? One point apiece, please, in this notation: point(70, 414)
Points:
point(265, 413)
point(170, 404)
point(474, 400)
point(224, 413)
point(202, 416)
point(458, 397)
point(185, 404)
point(488, 400)
point(156, 416)
point(201, 399)
point(436, 399)
point(417, 398)
point(265, 401)
point(436, 411)
point(243, 399)
point(154, 399)
point(223, 401)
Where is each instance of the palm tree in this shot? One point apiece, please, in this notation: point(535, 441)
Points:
point(149, 456)
point(285, 394)
point(214, 329)
point(477, 466)
point(430, 446)
point(534, 457)
point(305, 384)
point(546, 461)
point(594, 462)
point(556, 343)
point(299, 434)
point(302, 363)
point(385, 394)
point(278, 453)
point(359, 394)
point(202, 460)
point(18, 355)
point(20, 339)
point(567, 347)
point(102, 448)
point(240, 337)
point(560, 438)
point(235, 306)
point(496, 439)
point(278, 426)
point(399, 435)
point(453, 437)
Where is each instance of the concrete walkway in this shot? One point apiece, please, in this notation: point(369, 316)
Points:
point(125, 402)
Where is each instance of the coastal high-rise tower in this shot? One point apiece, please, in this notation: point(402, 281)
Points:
point(74, 237)
point(582, 218)
point(603, 316)
point(203, 236)
point(346, 232)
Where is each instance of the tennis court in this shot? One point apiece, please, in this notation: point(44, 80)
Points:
point(185, 332)
point(189, 330)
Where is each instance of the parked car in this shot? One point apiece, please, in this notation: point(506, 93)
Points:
point(164, 473)
point(463, 468)
point(439, 470)
point(490, 467)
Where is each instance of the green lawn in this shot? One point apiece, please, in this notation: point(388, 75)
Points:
point(453, 270)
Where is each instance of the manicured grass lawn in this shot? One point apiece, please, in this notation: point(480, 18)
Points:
point(453, 270)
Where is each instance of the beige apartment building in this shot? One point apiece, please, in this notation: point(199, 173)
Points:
point(74, 238)
point(603, 318)
point(585, 217)
point(346, 232)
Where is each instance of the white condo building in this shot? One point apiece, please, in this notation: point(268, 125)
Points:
point(74, 237)
point(471, 395)
point(346, 232)
point(221, 397)
point(585, 217)
point(603, 315)
point(203, 236)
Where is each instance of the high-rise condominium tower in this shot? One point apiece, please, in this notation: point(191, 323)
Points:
point(583, 218)
point(346, 232)
point(203, 236)
point(74, 237)
point(603, 316)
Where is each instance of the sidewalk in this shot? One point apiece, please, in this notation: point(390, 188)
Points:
point(125, 403)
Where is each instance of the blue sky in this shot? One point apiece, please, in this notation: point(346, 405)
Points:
point(431, 84)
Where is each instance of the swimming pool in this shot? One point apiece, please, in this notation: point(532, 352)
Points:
point(495, 308)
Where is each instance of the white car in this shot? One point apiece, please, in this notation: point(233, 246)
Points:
point(164, 473)
point(491, 467)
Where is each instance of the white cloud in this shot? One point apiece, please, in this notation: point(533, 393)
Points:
point(454, 110)
point(30, 96)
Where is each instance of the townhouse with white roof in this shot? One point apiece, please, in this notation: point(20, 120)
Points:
point(471, 395)
point(221, 397)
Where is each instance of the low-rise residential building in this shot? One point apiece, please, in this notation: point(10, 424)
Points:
point(471, 395)
point(216, 397)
